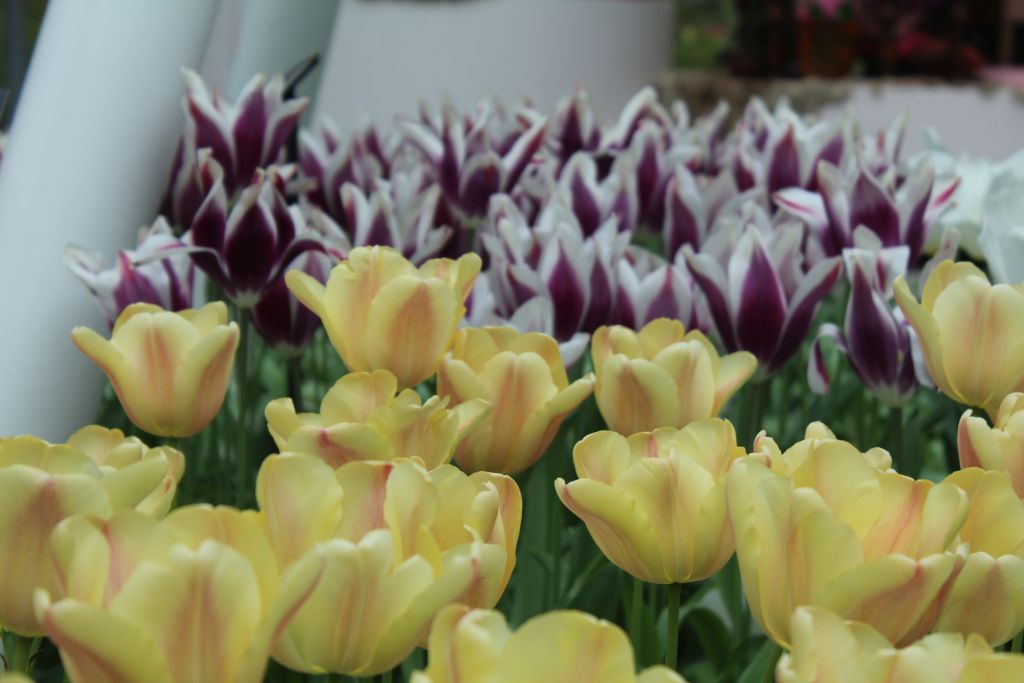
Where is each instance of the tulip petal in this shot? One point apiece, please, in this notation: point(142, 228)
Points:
point(99, 646)
point(636, 395)
point(987, 598)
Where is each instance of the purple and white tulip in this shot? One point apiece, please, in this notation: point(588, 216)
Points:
point(158, 271)
point(284, 323)
point(760, 292)
point(650, 287)
point(397, 213)
point(595, 201)
point(876, 339)
point(245, 251)
point(333, 162)
point(476, 157)
point(902, 215)
point(691, 205)
point(195, 175)
point(244, 135)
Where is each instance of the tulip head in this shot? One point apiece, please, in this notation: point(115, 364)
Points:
point(662, 376)
point(825, 649)
point(170, 370)
point(381, 312)
point(159, 271)
point(284, 323)
point(823, 525)
point(655, 502)
point(196, 597)
point(477, 646)
point(988, 595)
point(970, 332)
point(999, 447)
point(362, 418)
point(42, 484)
point(398, 543)
point(522, 377)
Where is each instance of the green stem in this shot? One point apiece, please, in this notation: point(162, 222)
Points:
point(672, 626)
point(554, 530)
point(385, 677)
point(636, 612)
point(241, 449)
point(753, 413)
point(1018, 640)
point(896, 440)
point(295, 382)
point(22, 651)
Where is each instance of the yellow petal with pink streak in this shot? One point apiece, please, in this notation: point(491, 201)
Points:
point(636, 395)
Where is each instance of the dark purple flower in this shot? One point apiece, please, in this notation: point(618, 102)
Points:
point(760, 294)
point(284, 323)
point(876, 339)
point(194, 176)
point(245, 251)
point(650, 287)
point(158, 271)
point(333, 162)
point(244, 135)
point(594, 202)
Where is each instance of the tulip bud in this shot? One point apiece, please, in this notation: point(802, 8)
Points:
point(655, 502)
point(662, 376)
point(170, 370)
point(523, 379)
point(197, 597)
point(333, 162)
point(477, 646)
point(397, 543)
point(361, 418)
point(822, 525)
point(42, 484)
point(159, 272)
point(381, 312)
point(826, 649)
point(970, 332)
point(283, 322)
point(999, 447)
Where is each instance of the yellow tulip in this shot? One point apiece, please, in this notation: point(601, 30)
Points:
point(382, 312)
point(361, 418)
point(523, 379)
point(971, 333)
point(655, 502)
point(398, 543)
point(828, 650)
point(42, 484)
point(196, 597)
point(170, 370)
point(662, 376)
point(988, 595)
point(476, 646)
point(111, 450)
point(821, 525)
point(999, 447)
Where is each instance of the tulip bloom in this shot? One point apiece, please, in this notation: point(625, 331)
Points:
point(111, 450)
point(662, 376)
point(381, 312)
point(243, 135)
point(970, 332)
point(825, 525)
point(523, 379)
point(876, 338)
point(361, 418)
point(566, 646)
point(283, 322)
point(245, 251)
point(988, 595)
point(826, 649)
point(159, 271)
point(999, 447)
point(42, 484)
point(655, 502)
point(397, 544)
point(761, 290)
point(197, 597)
point(333, 161)
point(170, 370)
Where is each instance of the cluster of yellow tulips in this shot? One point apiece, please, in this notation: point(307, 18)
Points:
point(366, 541)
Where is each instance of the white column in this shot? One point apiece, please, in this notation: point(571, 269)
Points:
point(87, 160)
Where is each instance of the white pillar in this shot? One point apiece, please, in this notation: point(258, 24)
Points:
point(87, 160)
